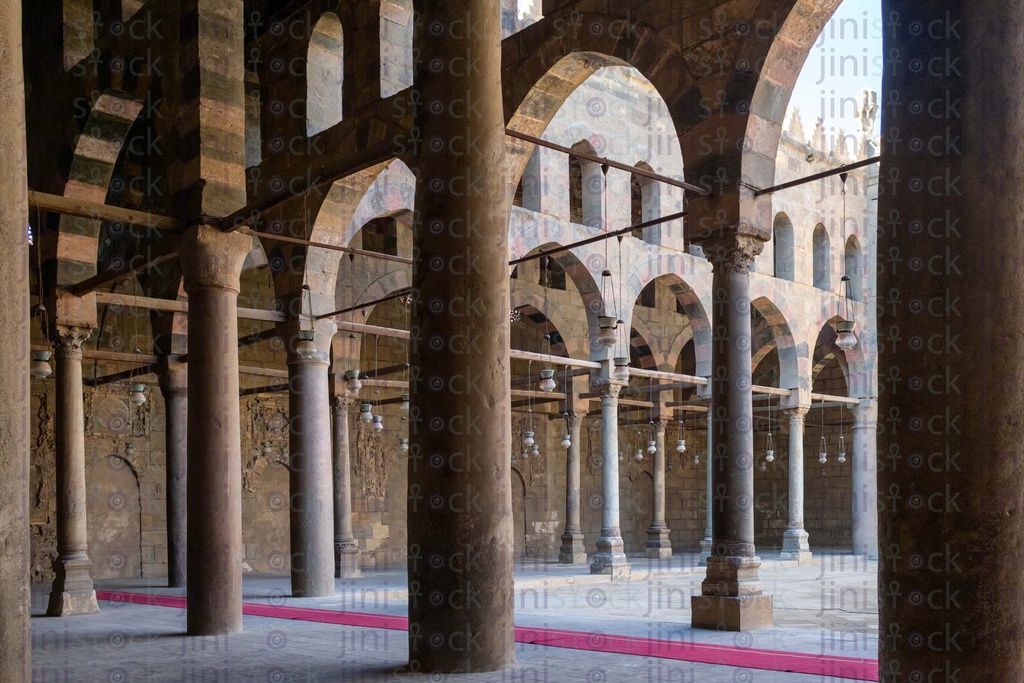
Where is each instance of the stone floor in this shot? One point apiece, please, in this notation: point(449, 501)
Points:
point(827, 609)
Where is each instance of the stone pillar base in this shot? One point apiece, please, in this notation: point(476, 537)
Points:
point(705, 551)
point(613, 564)
point(724, 613)
point(346, 563)
point(72, 603)
point(794, 546)
point(572, 550)
point(659, 547)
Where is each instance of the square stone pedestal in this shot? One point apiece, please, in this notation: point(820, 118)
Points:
point(658, 546)
point(731, 597)
point(72, 603)
point(614, 565)
point(346, 562)
point(795, 547)
point(572, 550)
point(73, 591)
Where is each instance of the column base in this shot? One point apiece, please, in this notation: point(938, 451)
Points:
point(572, 550)
point(732, 597)
point(346, 563)
point(610, 559)
point(72, 603)
point(794, 546)
point(659, 547)
point(705, 551)
point(723, 613)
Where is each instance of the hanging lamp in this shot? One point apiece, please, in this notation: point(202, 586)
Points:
point(769, 446)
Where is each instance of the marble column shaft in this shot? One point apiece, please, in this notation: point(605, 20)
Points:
point(794, 539)
point(707, 542)
point(658, 544)
point(573, 550)
point(310, 473)
point(211, 263)
point(174, 387)
point(610, 557)
point(73, 591)
point(15, 404)
point(346, 550)
point(864, 466)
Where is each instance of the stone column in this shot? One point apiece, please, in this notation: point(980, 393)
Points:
point(346, 550)
point(211, 264)
point(461, 544)
point(732, 597)
point(794, 539)
point(309, 472)
point(15, 403)
point(951, 357)
point(658, 544)
point(706, 543)
point(610, 557)
point(572, 550)
point(73, 591)
point(864, 466)
point(174, 386)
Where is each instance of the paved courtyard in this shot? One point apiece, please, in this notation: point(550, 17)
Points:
point(825, 615)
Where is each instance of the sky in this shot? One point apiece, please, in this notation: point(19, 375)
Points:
point(846, 58)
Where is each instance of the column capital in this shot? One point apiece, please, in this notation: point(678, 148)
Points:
point(342, 402)
point(70, 340)
point(211, 258)
point(865, 412)
point(173, 377)
point(574, 418)
point(734, 253)
point(610, 387)
point(796, 412)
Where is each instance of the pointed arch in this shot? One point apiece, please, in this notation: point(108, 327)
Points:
point(325, 73)
point(782, 235)
point(822, 247)
point(854, 268)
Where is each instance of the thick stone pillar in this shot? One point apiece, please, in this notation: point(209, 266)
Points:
point(15, 643)
point(346, 550)
point(310, 473)
point(461, 544)
point(732, 597)
point(864, 467)
point(572, 550)
point(211, 263)
point(794, 538)
point(706, 543)
point(951, 475)
point(610, 557)
point(174, 386)
point(658, 544)
point(73, 591)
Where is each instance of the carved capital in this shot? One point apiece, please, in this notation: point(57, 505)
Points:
point(574, 419)
point(173, 377)
point(796, 413)
point(70, 340)
point(734, 253)
point(212, 259)
point(342, 402)
point(610, 387)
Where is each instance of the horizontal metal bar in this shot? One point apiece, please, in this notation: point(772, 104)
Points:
point(603, 161)
point(270, 237)
point(819, 176)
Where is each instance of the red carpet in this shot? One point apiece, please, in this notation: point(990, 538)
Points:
point(723, 655)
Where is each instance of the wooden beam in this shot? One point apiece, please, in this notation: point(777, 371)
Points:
point(270, 237)
point(553, 360)
point(692, 380)
point(845, 400)
point(108, 277)
point(83, 208)
point(175, 306)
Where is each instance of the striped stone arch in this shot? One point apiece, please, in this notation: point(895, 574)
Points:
point(825, 350)
point(858, 362)
point(97, 150)
point(640, 339)
point(385, 189)
point(532, 305)
point(689, 278)
point(535, 89)
point(793, 354)
point(578, 272)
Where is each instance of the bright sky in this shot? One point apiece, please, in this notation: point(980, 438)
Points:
point(846, 59)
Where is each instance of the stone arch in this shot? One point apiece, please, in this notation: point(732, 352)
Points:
point(780, 339)
point(532, 305)
point(785, 253)
point(396, 46)
point(97, 151)
point(825, 351)
point(822, 247)
point(325, 72)
point(586, 188)
point(641, 355)
point(577, 271)
point(519, 515)
point(645, 202)
point(854, 257)
point(384, 189)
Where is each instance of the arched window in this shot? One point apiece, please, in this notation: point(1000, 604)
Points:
point(325, 68)
point(586, 188)
point(645, 202)
point(253, 140)
point(782, 235)
point(854, 268)
point(396, 31)
point(822, 258)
